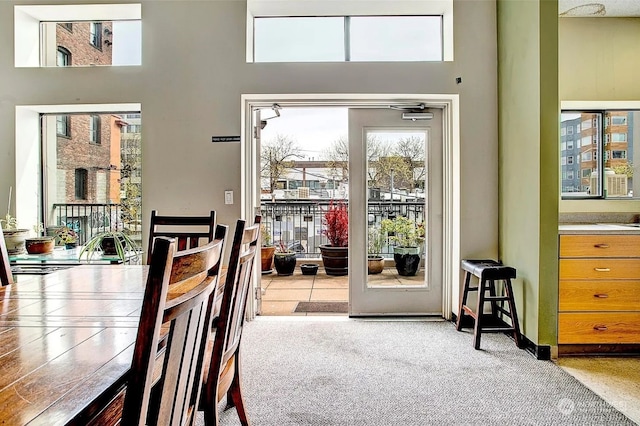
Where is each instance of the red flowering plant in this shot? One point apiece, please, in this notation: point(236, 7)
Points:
point(336, 222)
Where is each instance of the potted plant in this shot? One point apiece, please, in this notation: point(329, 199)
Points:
point(284, 259)
point(67, 237)
point(110, 243)
point(375, 261)
point(407, 237)
point(40, 244)
point(335, 255)
point(266, 250)
point(14, 237)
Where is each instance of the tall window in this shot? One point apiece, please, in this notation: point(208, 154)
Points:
point(94, 129)
point(63, 125)
point(96, 34)
point(63, 58)
point(81, 176)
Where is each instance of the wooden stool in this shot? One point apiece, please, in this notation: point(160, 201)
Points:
point(488, 272)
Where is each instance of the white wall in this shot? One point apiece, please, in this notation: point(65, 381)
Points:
point(192, 76)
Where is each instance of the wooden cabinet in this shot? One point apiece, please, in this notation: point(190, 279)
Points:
point(599, 289)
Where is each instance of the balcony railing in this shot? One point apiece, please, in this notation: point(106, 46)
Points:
point(88, 220)
point(298, 223)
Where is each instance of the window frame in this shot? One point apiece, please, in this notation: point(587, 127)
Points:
point(81, 184)
point(95, 34)
point(67, 54)
point(66, 123)
point(94, 129)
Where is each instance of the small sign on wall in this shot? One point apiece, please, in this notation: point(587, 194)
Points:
point(225, 138)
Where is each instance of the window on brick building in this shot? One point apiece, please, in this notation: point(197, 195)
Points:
point(63, 125)
point(96, 35)
point(63, 58)
point(81, 176)
point(67, 26)
point(94, 129)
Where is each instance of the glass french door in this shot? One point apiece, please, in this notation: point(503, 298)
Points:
point(395, 213)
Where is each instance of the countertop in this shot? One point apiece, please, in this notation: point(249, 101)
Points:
point(599, 228)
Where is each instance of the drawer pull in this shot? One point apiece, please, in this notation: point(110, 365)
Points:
point(602, 269)
point(600, 327)
point(601, 245)
point(601, 295)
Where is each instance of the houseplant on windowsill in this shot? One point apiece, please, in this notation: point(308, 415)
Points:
point(67, 237)
point(284, 259)
point(335, 255)
point(375, 261)
point(266, 250)
point(14, 237)
point(111, 243)
point(407, 237)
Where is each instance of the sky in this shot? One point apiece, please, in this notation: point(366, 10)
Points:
point(127, 43)
point(314, 129)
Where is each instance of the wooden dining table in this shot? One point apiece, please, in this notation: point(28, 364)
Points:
point(66, 344)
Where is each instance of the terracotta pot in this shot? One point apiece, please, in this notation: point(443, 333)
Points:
point(15, 240)
point(266, 258)
point(335, 259)
point(40, 245)
point(375, 264)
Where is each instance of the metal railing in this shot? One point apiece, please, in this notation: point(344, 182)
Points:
point(88, 220)
point(298, 223)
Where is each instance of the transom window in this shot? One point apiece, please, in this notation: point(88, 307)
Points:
point(347, 38)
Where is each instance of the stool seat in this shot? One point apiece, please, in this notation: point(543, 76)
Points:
point(489, 271)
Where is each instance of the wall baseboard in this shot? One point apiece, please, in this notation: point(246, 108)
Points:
point(540, 352)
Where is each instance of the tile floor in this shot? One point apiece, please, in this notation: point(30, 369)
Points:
point(281, 294)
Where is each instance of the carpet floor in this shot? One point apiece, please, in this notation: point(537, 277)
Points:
point(357, 372)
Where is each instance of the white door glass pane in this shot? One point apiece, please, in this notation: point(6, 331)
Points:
point(396, 38)
point(299, 39)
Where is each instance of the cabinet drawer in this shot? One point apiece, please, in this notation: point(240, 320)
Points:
point(599, 296)
point(599, 269)
point(599, 245)
point(610, 327)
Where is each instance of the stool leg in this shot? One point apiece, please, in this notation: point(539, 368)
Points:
point(494, 304)
point(514, 316)
point(463, 301)
point(477, 330)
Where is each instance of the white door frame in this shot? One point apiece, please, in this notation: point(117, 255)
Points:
point(250, 176)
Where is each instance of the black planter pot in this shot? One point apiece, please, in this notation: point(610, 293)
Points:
point(407, 262)
point(285, 263)
point(335, 259)
point(108, 245)
point(309, 269)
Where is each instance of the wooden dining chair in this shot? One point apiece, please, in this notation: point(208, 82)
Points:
point(223, 375)
point(189, 231)
point(164, 384)
point(6, 277)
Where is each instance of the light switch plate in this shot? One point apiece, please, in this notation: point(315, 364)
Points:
point(228, 197)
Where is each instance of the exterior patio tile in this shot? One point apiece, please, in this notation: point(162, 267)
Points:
point(286, 295)
point(289, 284)
point(333, 295)
point(279, 308)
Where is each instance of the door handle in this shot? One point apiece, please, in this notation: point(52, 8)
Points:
point(600, 327)
point(601, 295)
point(602, 269)
point(601, 245)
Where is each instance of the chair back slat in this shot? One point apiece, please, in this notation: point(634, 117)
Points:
point(228, 326)
point(6, 277)
point(188, 231)
point(171, 397)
